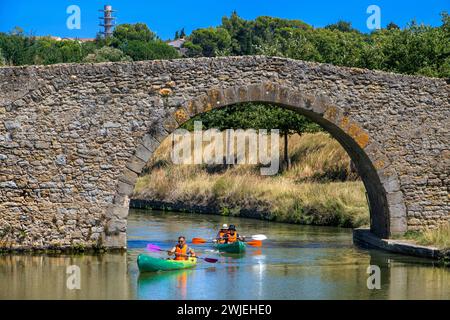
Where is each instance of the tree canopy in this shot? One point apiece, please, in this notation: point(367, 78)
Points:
point(129, 41)
point(106, 54)
point(416, 49)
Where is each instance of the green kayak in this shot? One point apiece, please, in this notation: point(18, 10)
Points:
point(147, 263)
point(235, 247)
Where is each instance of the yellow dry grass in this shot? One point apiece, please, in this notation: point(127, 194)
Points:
point(438, 237)
point(303, 194)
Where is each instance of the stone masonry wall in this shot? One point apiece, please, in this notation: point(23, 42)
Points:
point(74, 137)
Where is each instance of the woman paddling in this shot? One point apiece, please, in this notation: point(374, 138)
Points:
point(220, 238)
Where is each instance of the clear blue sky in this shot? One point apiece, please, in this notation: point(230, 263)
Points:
point(48, 17)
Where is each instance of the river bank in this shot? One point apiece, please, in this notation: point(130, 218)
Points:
point(320, 188)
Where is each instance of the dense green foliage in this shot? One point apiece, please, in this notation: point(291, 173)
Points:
point(106, 54)
point(256, 116)
point(128, 32)
point(417, 49)
point(208, 42)
point(129, 42)
point(151, 50)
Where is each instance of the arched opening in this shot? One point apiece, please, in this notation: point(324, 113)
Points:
point(387, 213)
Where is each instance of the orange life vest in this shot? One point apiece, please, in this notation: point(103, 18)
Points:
point(222, 234)
point(232, 238)
point(181, 253)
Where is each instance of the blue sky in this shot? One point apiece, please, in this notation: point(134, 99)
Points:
point(48, 17)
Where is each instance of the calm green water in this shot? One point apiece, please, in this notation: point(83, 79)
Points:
point(297, 262)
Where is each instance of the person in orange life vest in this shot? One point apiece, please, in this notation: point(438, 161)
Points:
point(181, 250)
point(220, 238)
point(232, 235)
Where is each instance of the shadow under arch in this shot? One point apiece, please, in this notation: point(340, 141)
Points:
point(387, 209)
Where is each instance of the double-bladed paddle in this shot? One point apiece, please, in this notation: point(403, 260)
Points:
point(155, 248)
point(255, 242)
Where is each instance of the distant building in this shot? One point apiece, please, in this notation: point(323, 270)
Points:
point(80, 40)
point(178, 44)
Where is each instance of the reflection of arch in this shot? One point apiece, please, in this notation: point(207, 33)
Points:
point(388, 213)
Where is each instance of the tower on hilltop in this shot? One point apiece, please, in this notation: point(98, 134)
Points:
point(107, 21)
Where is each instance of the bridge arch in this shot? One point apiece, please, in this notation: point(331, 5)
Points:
point(74, 137)
point(387, 209)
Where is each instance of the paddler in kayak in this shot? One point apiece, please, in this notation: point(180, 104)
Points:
point(220, 238)
point(181, 250)
point(232, 235)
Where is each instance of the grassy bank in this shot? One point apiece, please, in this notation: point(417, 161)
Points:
point(439, 237)
point(319, 188)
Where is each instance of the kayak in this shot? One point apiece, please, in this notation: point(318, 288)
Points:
point(235, 247)
point(149, 263)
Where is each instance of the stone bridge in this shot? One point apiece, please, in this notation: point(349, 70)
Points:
point(74, 137)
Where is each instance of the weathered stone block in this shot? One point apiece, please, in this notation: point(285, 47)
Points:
point(116, 211)
point(116, 241)
point(128, 176)
point(143, 153)
point(150, 143)
point(135, 164)
point(116, 225)
point(125, 188)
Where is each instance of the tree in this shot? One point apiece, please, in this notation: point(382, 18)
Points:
point(342, 26)
point(45, 51)
point(71, 51)
point(392, 26)
point(241, 34)
point(15, 48)
point(209, 41)
point(180, 34)
point(157, 49)
point(129, 32)
point(106, 54)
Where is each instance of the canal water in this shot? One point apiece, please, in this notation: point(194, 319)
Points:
point(296, 262)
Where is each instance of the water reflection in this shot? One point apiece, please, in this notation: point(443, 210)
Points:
point(295, 263)
point(45, 277)
point(170, 284)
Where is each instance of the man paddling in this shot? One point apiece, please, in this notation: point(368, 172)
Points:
point(181, 250)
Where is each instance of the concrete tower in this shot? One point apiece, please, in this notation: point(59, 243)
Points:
point(107, 21)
